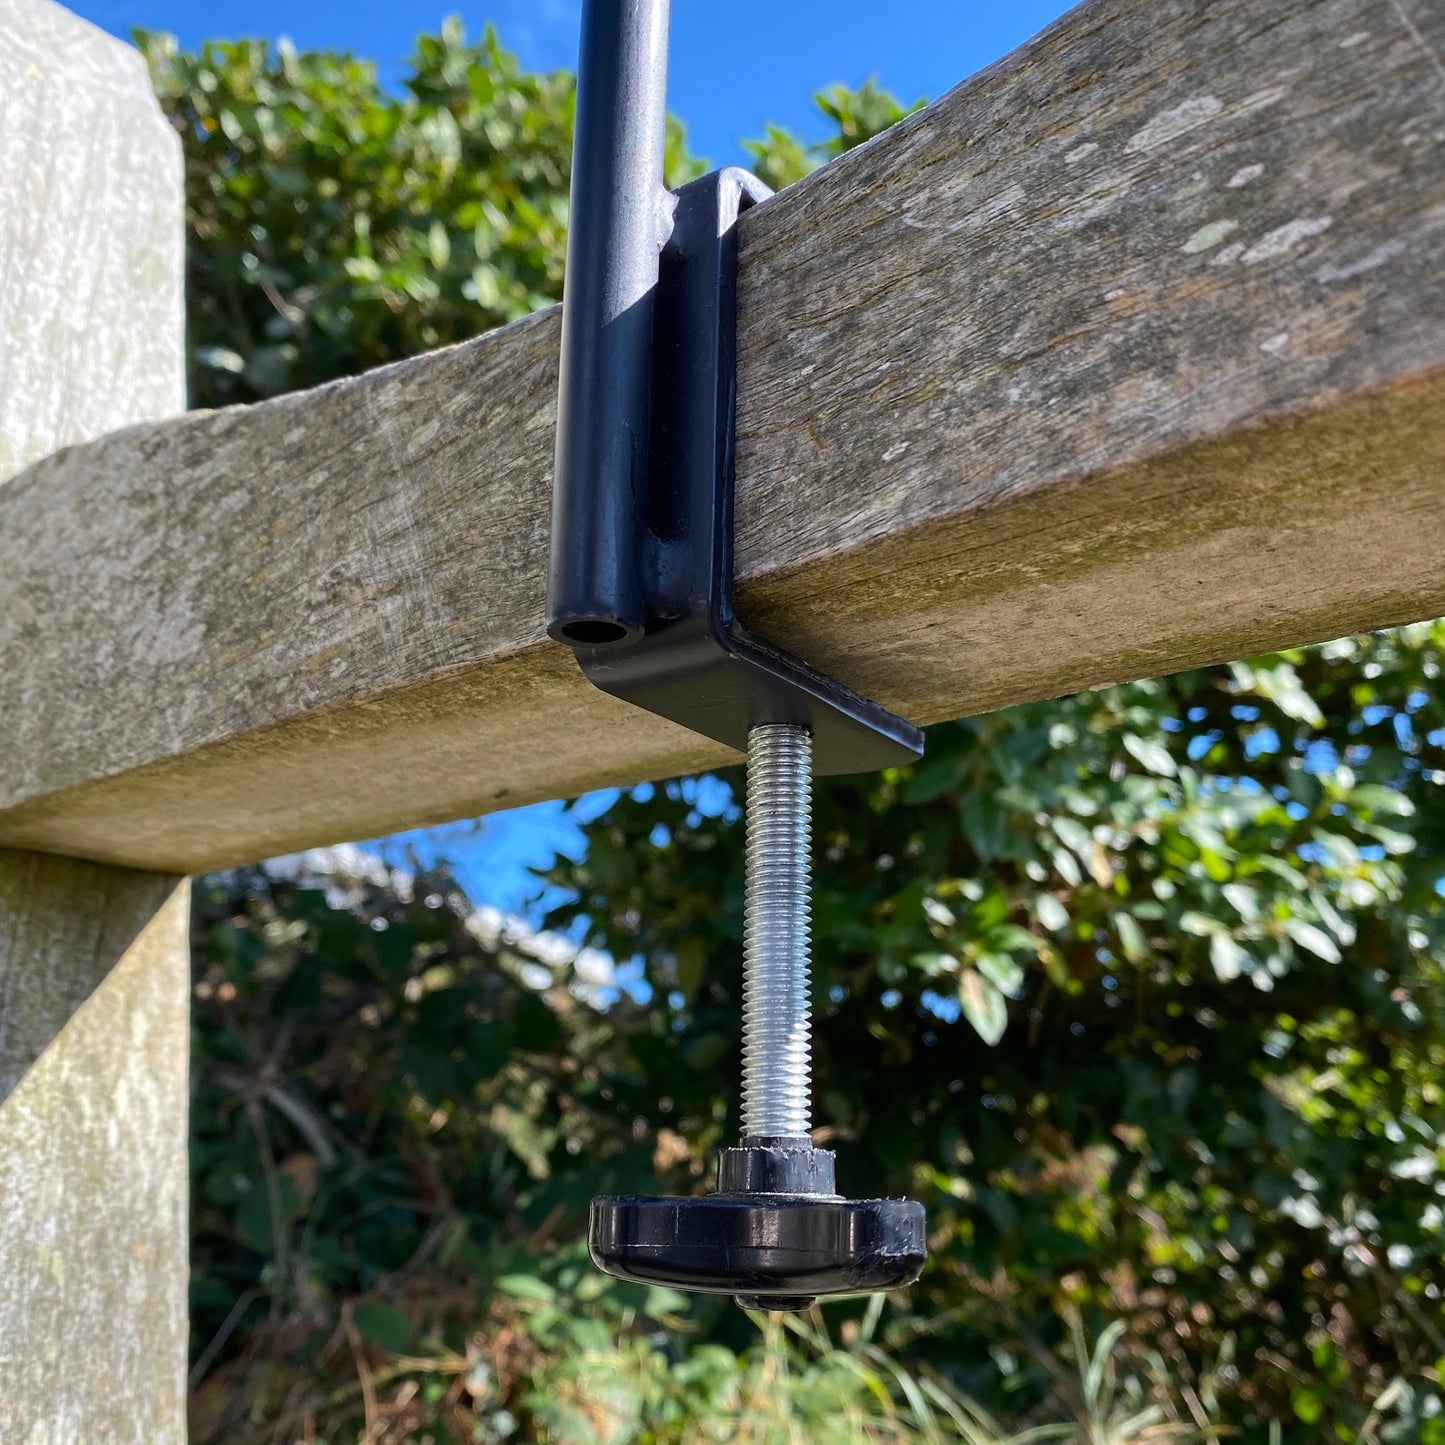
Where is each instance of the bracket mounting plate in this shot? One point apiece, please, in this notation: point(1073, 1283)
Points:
point(691, 659)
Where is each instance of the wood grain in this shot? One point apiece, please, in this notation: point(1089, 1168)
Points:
point(94, 966)
point(1127, 355)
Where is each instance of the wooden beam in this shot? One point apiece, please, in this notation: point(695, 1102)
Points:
point(1127, 355)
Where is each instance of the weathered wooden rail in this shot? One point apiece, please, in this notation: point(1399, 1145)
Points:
point(1127, 355)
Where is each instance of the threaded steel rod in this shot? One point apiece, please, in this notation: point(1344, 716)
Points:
point(777, 927)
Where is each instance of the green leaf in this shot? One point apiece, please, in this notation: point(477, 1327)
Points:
point(383, 1325)
point(984, 825)
point(933, 964)
point(1201, 925)
point(1227, 957)
point(362, 268)
point(1001, 970)
point(1244, 900)
point(526, 1286)
point(939, 913)
point(1066, 865)
point(254, 1220)
point(1010, 938)
point(1395, 843)
point(663, 1301)
point(1131, 937)
point(1307, 935)
point(286, 180)
point(926, 780)
point(983, 1005)
point(221, 358)
point(1281, 685)
point(1051, 913)
point(438, 245)
point(1152, 755)
point(1371, 798)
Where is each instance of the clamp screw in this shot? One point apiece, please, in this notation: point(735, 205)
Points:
point(777, 1044)
point(777, 1234)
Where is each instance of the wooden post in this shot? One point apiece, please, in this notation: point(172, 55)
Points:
point(94, 981)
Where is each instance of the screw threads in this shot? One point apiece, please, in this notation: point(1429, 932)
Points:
point(777, 926)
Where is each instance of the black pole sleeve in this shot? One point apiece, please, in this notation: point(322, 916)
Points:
point(619, 219)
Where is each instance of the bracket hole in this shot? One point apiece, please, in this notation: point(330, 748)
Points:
point(594, 632)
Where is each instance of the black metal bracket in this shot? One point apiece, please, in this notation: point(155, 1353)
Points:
point(642, 523)
point(640, 586)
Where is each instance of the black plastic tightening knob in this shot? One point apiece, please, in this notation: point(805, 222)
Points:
point(776, 1235)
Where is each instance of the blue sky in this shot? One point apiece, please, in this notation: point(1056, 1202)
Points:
point(735, 66)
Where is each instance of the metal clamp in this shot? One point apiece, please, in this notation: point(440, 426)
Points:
point(640, 580)
point(640, 587)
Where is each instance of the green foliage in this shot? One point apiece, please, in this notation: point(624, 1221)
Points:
point(854, 116)
point(398, 1113)
point(334, 226)
point(401, 1112)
